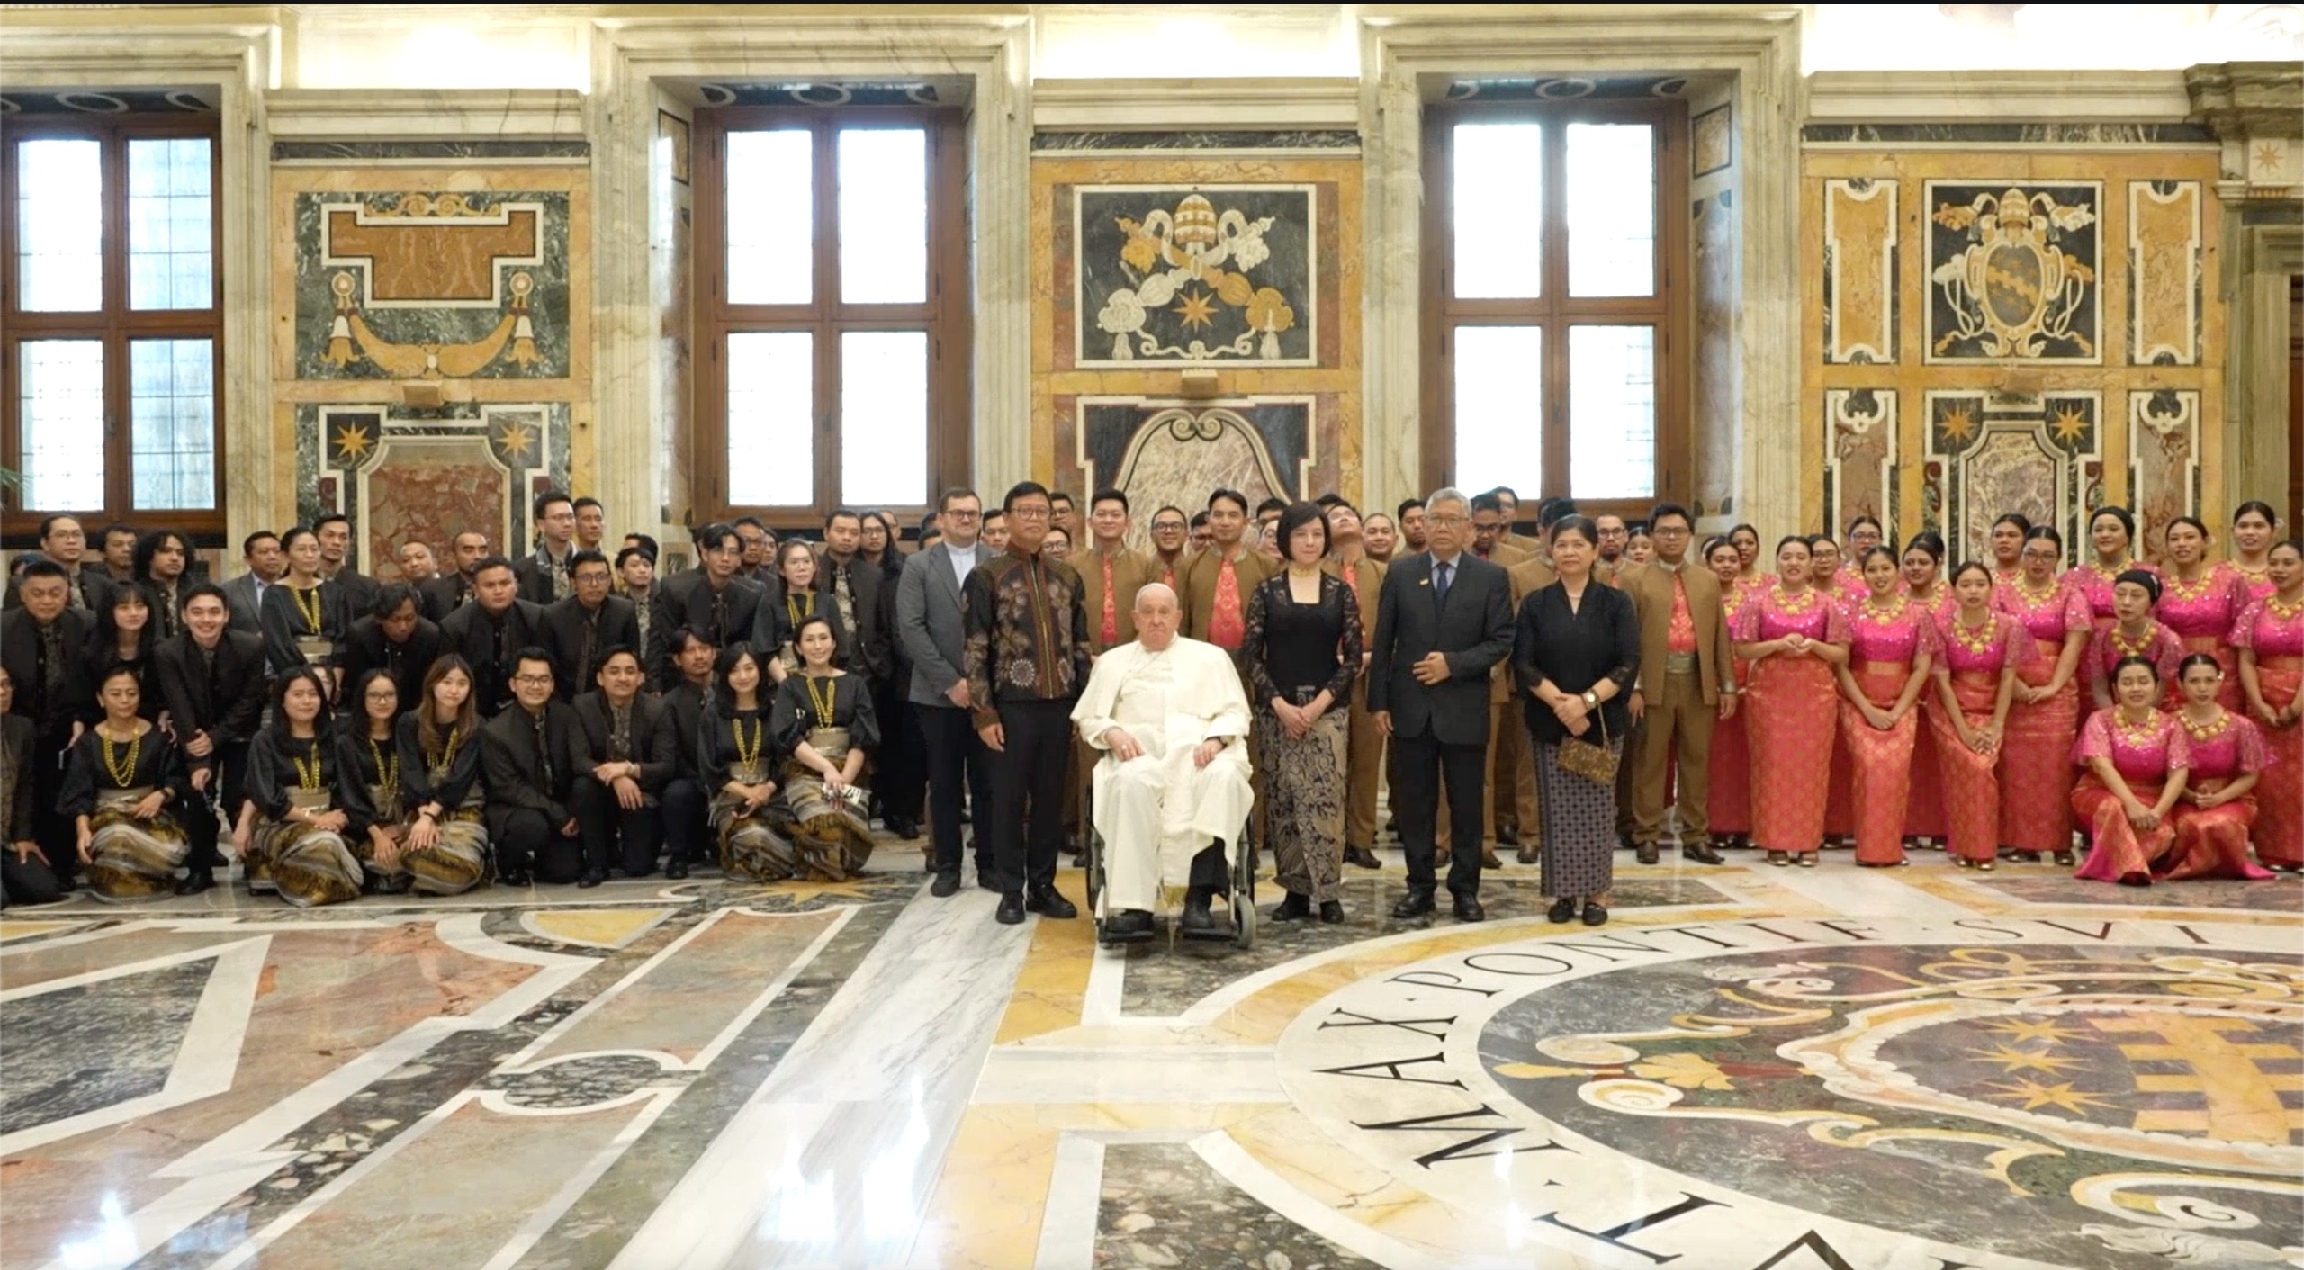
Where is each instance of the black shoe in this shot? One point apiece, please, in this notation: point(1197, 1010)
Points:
point(1562, 912)
point(1468, 909)
point(591, 878)
point(513, 877)
point(1362, 857)
point(1332, 912)
point(1129, 926)
point(676, 870)
point(1416, 903)
point(984, 882)
point(1293, 909)
point(901, 828)
point(1645, 853)
point(1594, 915)
point(1701, 854)
point(945, 886)
point(1507, 837)
point(1011, 910)
point(1047, 903)
point(1198, 919)
point(195, 882)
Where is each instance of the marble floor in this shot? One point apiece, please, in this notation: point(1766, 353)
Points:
point(1748, 1068)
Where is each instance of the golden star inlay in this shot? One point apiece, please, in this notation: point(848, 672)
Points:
point(352, 439)
point(2035, 1095)
point(2070, 424)
point(2020, 1031)
point(1196, 309)
point(516, 439)
point(1957, 423)
point(2015, 1060)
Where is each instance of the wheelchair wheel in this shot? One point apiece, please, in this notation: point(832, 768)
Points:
point(1243, 897)
point(1092, 864)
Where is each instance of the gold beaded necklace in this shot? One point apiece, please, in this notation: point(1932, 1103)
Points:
point(2175, 588)
point(2137, 734)
point(2034, 597)
point(2206, 731)
point(387, 769)
point(1971, 638)
point(2282, 609)
point(822, 701)
point(122, 774)
point(311, 610)
point(1873, 611)
point(2137, 648)
point(747, 755)
point(440, 765)
point(307, 777)
point(1801, 603)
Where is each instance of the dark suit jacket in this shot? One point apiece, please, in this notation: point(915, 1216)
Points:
point(364, 648)
point(535, 574)
point(443, 595)
point(686, 600)
point(931, 625)
point(653, 746)
point(359, 592)
point(94, 586)
point(684, 709)
point(468, 634)
point(229, 714)
point(75, 697)
point(16, 804)
point(247, 606)
point(1473, 629)
point(519, 776)
point(867, 650)
point(616, 622)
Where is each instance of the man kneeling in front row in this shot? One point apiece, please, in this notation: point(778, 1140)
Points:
point(1173, 790)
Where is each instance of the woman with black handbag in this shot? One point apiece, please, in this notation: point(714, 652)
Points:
point(1576, 650)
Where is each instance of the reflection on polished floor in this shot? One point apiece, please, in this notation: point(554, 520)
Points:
point(1747, 1069)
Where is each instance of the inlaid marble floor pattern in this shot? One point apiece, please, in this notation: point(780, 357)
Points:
point(1747, 1069)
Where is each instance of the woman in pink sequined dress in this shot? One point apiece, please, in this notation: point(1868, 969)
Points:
point(1794, 639)
point(1975, 654)
point(2213, 817)
point(1880, 691)
point(2036, 753)
point(2270, 638)
point(2199, 600)
point(2112, 552)
point(2137, 759)
point(2134, 632)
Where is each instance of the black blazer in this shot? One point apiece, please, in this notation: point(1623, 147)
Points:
point(616, 622)
point(684, 709)
point(16, 800)
point(686, 600)
point(519, 776)
point(230, 713)
point(1474, 630)
point(94, 586)
point(438, 597)
point(867, 650)
point(654, 747)
point(469, 634)
point(1576, 649)
point(364, 648)
point(773, 626)
point(535, 576)
point(360, 592)
point(75, 697)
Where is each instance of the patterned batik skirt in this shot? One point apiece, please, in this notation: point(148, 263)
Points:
point(1304, 800)
point(129, 858)
point(1579, 826)
point(308, 865)
point(751, 849)
point(829, 832)
point(458, 861)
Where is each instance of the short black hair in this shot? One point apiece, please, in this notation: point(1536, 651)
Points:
point(645, 542)
point(1272, 504)
point(116, 527)
point(526, 652)
point(247, 544)
point(1487, 502)
point(1024, 489)
point(389, 598)
point(1057, 495)
point(951, 492)
point(1171, 507)
point(753, 522)
point(1237, 499)
point(1198, 519)
point(625, 556)
point(689, 636)
point(49, 522)
point(1553, 510)
point(1661, 510)
point(494, 562)
point(578, 559)
point(41, 567)
point(589, 501)
point(837, 512)
point(1110, 495)
point(1407, 505)
point(330, 518)
point(546, 499)
point(1327, 500)
point(193, 592)
point(613, 651)
point(714, 536)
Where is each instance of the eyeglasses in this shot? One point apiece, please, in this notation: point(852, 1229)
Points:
point(957, 514)
point(533, 681)
point(1448, 522)
point(1029, 513)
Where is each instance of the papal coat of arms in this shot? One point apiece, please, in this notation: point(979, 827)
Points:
point(1197, 275)
point(2014, 273)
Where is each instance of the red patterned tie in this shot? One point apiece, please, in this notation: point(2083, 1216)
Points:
point(1111, 632)
point(1226, 630)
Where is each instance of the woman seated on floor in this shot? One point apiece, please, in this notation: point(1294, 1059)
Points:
point(445, 847)
point(291, 829)
point(122, 776)
point(2213, 818)
point(824, 723)
point(732, 746)
point(2137, 760)
point(368, 755)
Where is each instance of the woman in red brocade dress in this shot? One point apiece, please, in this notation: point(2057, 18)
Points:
point(1826, 575)
point(1880, 690)
point(2137, 758)
point(1923, 564)
point(2270, 637)
point(2036, 752)
point(1729, 805)
point(2253, 525)
point(1975, 655)
point(1749, 574)
point(2112, 544)
point(2200, 601)
point(1794, 639)
point(2134, 632)
point(2214, 815)
point(2009, 532)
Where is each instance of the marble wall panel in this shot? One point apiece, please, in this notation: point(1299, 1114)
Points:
point(400, 473)
point(2163, 461)
point(1859, 298)
point(1715, 241)
point(2015, 271)
point(1306, 261)
point(1174, 451)
point(2164, 272)
point(428, 489)
point(1860, 470)
point(1989, 453)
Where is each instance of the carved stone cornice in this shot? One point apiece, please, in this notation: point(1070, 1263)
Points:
point(2256, 111)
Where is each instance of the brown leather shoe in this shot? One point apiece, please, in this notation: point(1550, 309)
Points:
point(1362, 857)
point(1488, 859)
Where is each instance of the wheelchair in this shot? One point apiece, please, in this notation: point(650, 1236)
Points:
point(1239, 894)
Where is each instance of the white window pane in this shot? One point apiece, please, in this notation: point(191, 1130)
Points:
point(1497, 201)
point(1611, 209)
point(771, 418)
point(1612, 411)
point(1499, 382)
point(60, 226)
point(884, 418)
point(883, 216)
point(62, 383)
point(771, 218)
point(171, 416)
point(170, 230)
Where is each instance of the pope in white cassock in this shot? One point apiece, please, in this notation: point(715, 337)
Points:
point(1173, 788)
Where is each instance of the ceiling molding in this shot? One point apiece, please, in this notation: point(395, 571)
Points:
point(1156, 105)
point(308, 114)
point(2064, 97)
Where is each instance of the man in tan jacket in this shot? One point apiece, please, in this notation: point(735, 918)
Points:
point(1511, 764)
point(1685, 684)
point(1214, 610)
